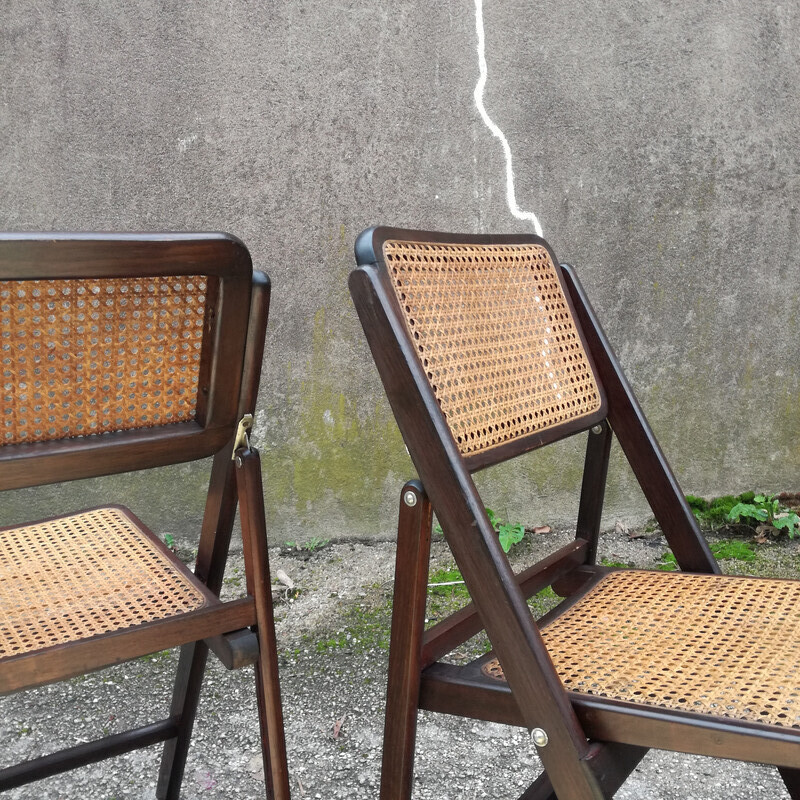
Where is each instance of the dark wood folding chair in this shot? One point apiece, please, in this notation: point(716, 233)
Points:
point(118, 353)
point(487, 349)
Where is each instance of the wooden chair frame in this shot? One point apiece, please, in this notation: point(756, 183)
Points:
point(241, 632)
point(588, 743)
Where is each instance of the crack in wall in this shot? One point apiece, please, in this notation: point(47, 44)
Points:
point(511, 198)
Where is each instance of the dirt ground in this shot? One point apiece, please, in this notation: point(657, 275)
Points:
point(333, 640)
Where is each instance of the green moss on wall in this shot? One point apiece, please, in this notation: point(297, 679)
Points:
point(337, 451)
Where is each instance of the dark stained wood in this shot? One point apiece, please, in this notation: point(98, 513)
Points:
point(215, 537)
point(87, 753)
point(78, 658)
point(212, 552)
point(31, 256)
point(640, 446)
point(612, 763)
point(593, 488)
point(40, 463)
point(254, 535)
point(256, 341)
point(369, 251)
point(46, 256)
point(446, 635)
point(236, 649)
point(465, 691)
point(405, 650)
point(186, 695)
point(516, 448)
point(791, 779)
point(683, 732)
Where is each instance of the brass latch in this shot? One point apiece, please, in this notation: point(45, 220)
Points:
point(242, 440)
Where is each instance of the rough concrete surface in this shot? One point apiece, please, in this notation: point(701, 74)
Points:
point(657, 141)
point(332, 643)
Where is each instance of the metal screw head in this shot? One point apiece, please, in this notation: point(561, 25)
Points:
point(410, 498)
point(597, 429)
point(539, 737)
point(239, 461)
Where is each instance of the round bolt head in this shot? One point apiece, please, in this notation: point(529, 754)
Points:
point(597, 429)
point(539, 737)
point(410, 498)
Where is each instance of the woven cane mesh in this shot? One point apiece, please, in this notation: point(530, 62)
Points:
point(83, 575)
point(79, 357)
point(495, 335)
point(714, 645)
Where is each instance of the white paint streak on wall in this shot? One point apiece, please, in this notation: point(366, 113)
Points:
point(511, 198)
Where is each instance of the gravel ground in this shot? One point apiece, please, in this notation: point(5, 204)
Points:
point(332, 638)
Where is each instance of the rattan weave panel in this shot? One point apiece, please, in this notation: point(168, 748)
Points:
point(495, 336)
point(84, 575)
point(725, 646)
point(79, 357)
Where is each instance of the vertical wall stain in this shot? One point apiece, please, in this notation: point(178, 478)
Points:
point(337, 459)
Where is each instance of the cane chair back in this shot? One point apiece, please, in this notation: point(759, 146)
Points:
point(488, 348)
point(500, 373)
point(119, 353)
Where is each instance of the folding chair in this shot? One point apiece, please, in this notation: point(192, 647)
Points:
point(488, 349)
point(118, 353)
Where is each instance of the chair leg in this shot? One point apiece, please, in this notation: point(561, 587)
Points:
point(270, 720)
point(405, 649)
point(540, 789)
point(593, 488)
point(611, 763)
point(210, 567)
point(791, 779)
point(254, 537)
point(186, 697)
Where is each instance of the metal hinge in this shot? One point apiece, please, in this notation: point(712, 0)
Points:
point(242, 439)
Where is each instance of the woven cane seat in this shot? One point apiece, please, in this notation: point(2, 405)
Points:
point(83, 575)
point(495, 335)
point(710, 644)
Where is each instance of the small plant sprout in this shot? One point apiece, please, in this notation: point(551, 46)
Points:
point(766, 510)
point(509, 533)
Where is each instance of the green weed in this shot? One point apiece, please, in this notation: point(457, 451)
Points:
point(607, 562)
point(311, 546)
point(747, 508)
point(509, 533)
point(447, 583)
point(712, 513)
point(730, 550)
point(667, 563)
point(733, 550)
point(365, 628)
point(766, 510)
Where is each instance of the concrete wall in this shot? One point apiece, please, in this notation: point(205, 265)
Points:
point(657, 141)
